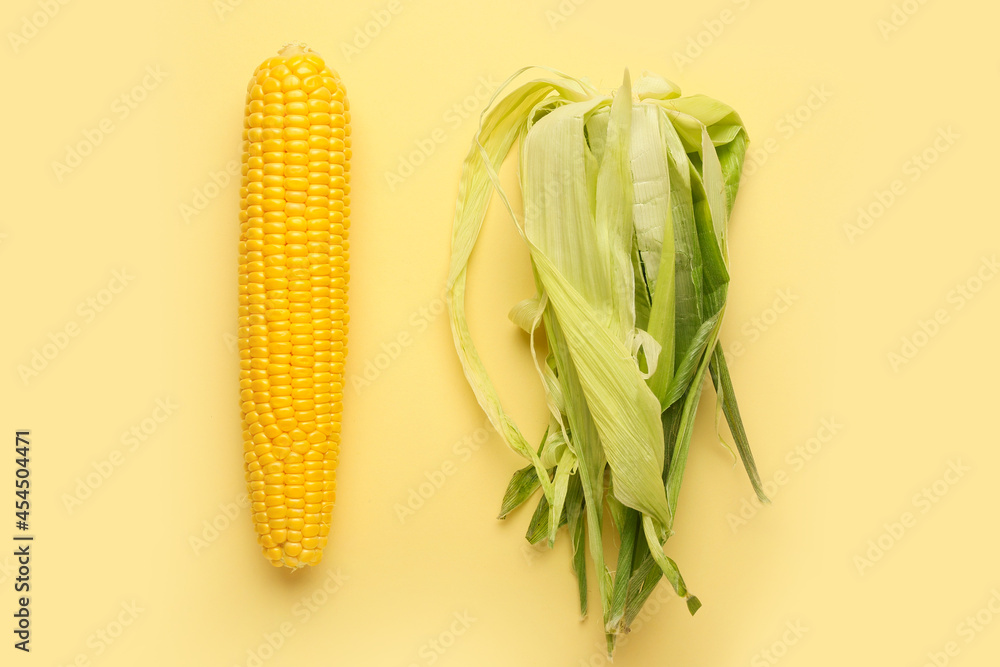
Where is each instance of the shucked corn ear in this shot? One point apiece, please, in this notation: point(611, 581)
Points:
point(293, 278)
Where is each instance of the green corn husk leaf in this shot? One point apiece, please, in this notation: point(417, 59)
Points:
point(526, 313)
point(711, 219)
point(595, 313)
point(576, 523)
point(626, 206)
point(643, 296)
point(688, 365)
point(657, 211)
point(651, 198)
point(644, 579)
point(715, 195)
point(554, 445)
point(727, 400)
point(564, 469)
point(522, 486)
point(498, 130)
point(731, 159)
point(614, 391)
point(616, 510)
point(715, 275)
point(679, 452)
point(667, 565)
point(538, 527)
point(624, 410)
point(590, 458)
point(687, 253)
point(629, 531)
point(654, 87)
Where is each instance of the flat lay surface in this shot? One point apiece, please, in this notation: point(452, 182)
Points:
point(860, 333)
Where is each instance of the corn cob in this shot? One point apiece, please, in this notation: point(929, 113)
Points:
point(293, 279)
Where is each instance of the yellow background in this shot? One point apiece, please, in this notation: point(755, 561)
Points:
point(402, 582)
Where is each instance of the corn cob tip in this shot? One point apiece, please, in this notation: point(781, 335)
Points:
point(294, 49)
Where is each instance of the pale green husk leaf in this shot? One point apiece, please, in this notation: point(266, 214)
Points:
point(626, 205)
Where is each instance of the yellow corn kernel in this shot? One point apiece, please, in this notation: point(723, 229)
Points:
point(293, 280)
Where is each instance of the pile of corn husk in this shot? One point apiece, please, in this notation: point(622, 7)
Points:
point(626, 202)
